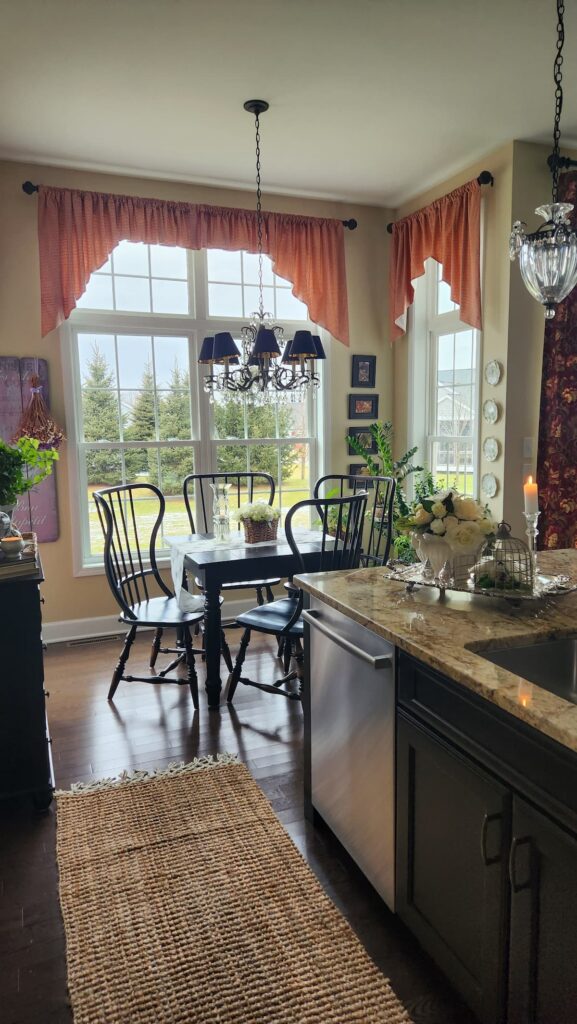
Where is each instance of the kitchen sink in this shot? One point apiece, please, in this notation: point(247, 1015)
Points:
point(551, 664)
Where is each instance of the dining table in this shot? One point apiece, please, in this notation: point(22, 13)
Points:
point(215, 562)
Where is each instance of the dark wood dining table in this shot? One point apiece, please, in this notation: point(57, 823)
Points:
point(238, 563)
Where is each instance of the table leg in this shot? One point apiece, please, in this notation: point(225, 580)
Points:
point(212, 628)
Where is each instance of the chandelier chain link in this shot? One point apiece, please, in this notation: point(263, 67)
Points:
point(259, 217)
point(558, 79)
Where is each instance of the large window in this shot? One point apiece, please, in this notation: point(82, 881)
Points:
point(445, 384)
point(139, 411)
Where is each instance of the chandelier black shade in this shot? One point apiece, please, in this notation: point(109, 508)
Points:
point(548, 256)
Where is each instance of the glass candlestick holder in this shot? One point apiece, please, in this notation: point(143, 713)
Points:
point(532, 518)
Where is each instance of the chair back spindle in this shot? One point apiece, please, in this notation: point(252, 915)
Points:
point(378, 526)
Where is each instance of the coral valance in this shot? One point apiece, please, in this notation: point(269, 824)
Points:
point(449, 230)
point(78, 230)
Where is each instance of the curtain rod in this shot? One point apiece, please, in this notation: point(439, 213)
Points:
point(29, 188)
point(484, 178)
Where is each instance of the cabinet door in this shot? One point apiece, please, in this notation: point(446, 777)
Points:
point(453, 829)
point(543, 870)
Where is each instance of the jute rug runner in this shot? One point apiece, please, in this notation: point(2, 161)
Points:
point(186, 902)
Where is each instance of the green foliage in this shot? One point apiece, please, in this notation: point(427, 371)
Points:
point(22, 466)
point(399, 469)
point(101, 420)
point(229, 423)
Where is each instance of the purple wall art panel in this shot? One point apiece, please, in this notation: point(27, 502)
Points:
point(37, 510)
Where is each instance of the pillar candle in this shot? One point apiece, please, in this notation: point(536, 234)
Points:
point(531, 495)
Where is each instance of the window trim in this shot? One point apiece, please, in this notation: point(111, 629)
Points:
point(158, 324)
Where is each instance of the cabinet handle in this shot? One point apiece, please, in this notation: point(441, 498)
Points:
point(515, 844)
point(487, 861)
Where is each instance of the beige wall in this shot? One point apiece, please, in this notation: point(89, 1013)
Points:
point(513, 322)
point(68, 597)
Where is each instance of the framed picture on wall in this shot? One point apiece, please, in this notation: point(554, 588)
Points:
point(363, 371)
point(364, 437)
point(363, 407)
point(360, 469)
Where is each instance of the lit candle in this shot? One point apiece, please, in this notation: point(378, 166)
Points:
point(531, 495)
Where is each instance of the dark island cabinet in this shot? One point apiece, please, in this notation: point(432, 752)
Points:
point(486, 861)
point(25, 762)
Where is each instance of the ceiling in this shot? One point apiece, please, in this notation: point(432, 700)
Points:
point(370, 100)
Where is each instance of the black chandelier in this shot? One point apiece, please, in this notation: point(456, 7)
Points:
point(257, 370)
point(548, 256)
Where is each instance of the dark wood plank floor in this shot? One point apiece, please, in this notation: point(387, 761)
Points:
point(148, 727)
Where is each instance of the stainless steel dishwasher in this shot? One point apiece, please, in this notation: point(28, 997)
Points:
point(352, 737)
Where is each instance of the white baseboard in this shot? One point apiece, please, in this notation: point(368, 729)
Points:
point(108, 625)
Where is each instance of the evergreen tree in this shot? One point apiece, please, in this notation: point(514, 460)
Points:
point(142, 427)
point(101, 420)
point(229, 423)
point(174, 422)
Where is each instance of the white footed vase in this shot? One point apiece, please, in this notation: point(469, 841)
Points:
point(435, 549)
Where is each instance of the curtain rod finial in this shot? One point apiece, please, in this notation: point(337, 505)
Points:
point(29, 188)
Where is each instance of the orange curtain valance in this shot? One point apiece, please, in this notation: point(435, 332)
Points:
point(449, 230)
point(78, 230)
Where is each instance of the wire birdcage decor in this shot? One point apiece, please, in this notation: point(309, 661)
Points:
point(506, 566)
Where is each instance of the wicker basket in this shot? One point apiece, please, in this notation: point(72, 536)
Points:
point(256, 531)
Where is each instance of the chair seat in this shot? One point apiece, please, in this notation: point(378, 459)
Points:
point(160, 612)
point(245, 585)
point(272, 618)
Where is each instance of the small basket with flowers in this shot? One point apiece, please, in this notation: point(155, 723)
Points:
point(260, 521)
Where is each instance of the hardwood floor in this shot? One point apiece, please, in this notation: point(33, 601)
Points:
point(150, 726)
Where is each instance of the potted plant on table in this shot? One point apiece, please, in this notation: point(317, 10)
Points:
point(260, 521)
point(22, 466)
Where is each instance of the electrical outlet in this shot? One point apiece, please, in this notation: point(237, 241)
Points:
point(527, 447)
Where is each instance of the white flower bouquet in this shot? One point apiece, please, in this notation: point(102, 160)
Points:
point(260, 521)
point(459, 519)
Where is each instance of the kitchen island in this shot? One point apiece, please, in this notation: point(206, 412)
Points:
point(484, 771)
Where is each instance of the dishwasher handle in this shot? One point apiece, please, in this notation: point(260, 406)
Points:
point(378, 661)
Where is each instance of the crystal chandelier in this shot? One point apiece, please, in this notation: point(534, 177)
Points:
point(258, 371)
point(548, 257)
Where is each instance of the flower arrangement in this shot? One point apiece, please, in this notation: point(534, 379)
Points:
point(461, 521)
point(260, 521)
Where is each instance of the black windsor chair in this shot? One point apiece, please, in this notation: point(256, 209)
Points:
point(377, 535)
point(340, 540)
point(244, 487)
point(134, 579)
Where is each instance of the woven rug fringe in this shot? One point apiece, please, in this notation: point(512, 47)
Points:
point(126, 778)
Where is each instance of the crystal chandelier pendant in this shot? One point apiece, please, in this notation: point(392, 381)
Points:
point(548, 257)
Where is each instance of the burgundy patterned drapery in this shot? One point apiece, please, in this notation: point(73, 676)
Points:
point(557, 453)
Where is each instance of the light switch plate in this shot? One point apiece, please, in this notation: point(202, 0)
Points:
point(527, 447)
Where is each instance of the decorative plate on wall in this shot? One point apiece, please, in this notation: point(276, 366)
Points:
point(491, 449)
point(489, 485)
point(491, 411)
point(493, 371)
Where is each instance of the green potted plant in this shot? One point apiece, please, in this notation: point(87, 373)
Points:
point(22, 466)
point(399, 469)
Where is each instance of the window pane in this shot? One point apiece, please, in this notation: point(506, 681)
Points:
point(295, 485)
point(103, 469)
point(171, 362)
point(250, 267)
point(97, 360)
point(139, 414)
point(444, 302)
point(174, 414)
point(168, 261)
point(224, 300)
point(98, 294)
point(100, 415)
point(223, 266)
point(263, 458)
point(133, 294)
point(288, 307)
point(465, 353)
point(135, 361)
point(293, 419)
point(452, 464)
point(131, 258)
point(251, 300)
point(175, 464)
point(262, 420)
point(142, 468)
point(229, 417)
point(445, 353)
point(232, 458)
point(169, 296)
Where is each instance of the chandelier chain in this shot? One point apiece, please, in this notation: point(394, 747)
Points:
point(558, 79)
point(259, 217)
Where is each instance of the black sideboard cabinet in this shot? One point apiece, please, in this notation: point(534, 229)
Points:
point(487, 850)
point(25, 761)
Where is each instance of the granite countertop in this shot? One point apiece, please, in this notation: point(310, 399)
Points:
point(446, 633)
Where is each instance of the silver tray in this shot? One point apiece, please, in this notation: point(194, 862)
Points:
point(544, 586)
